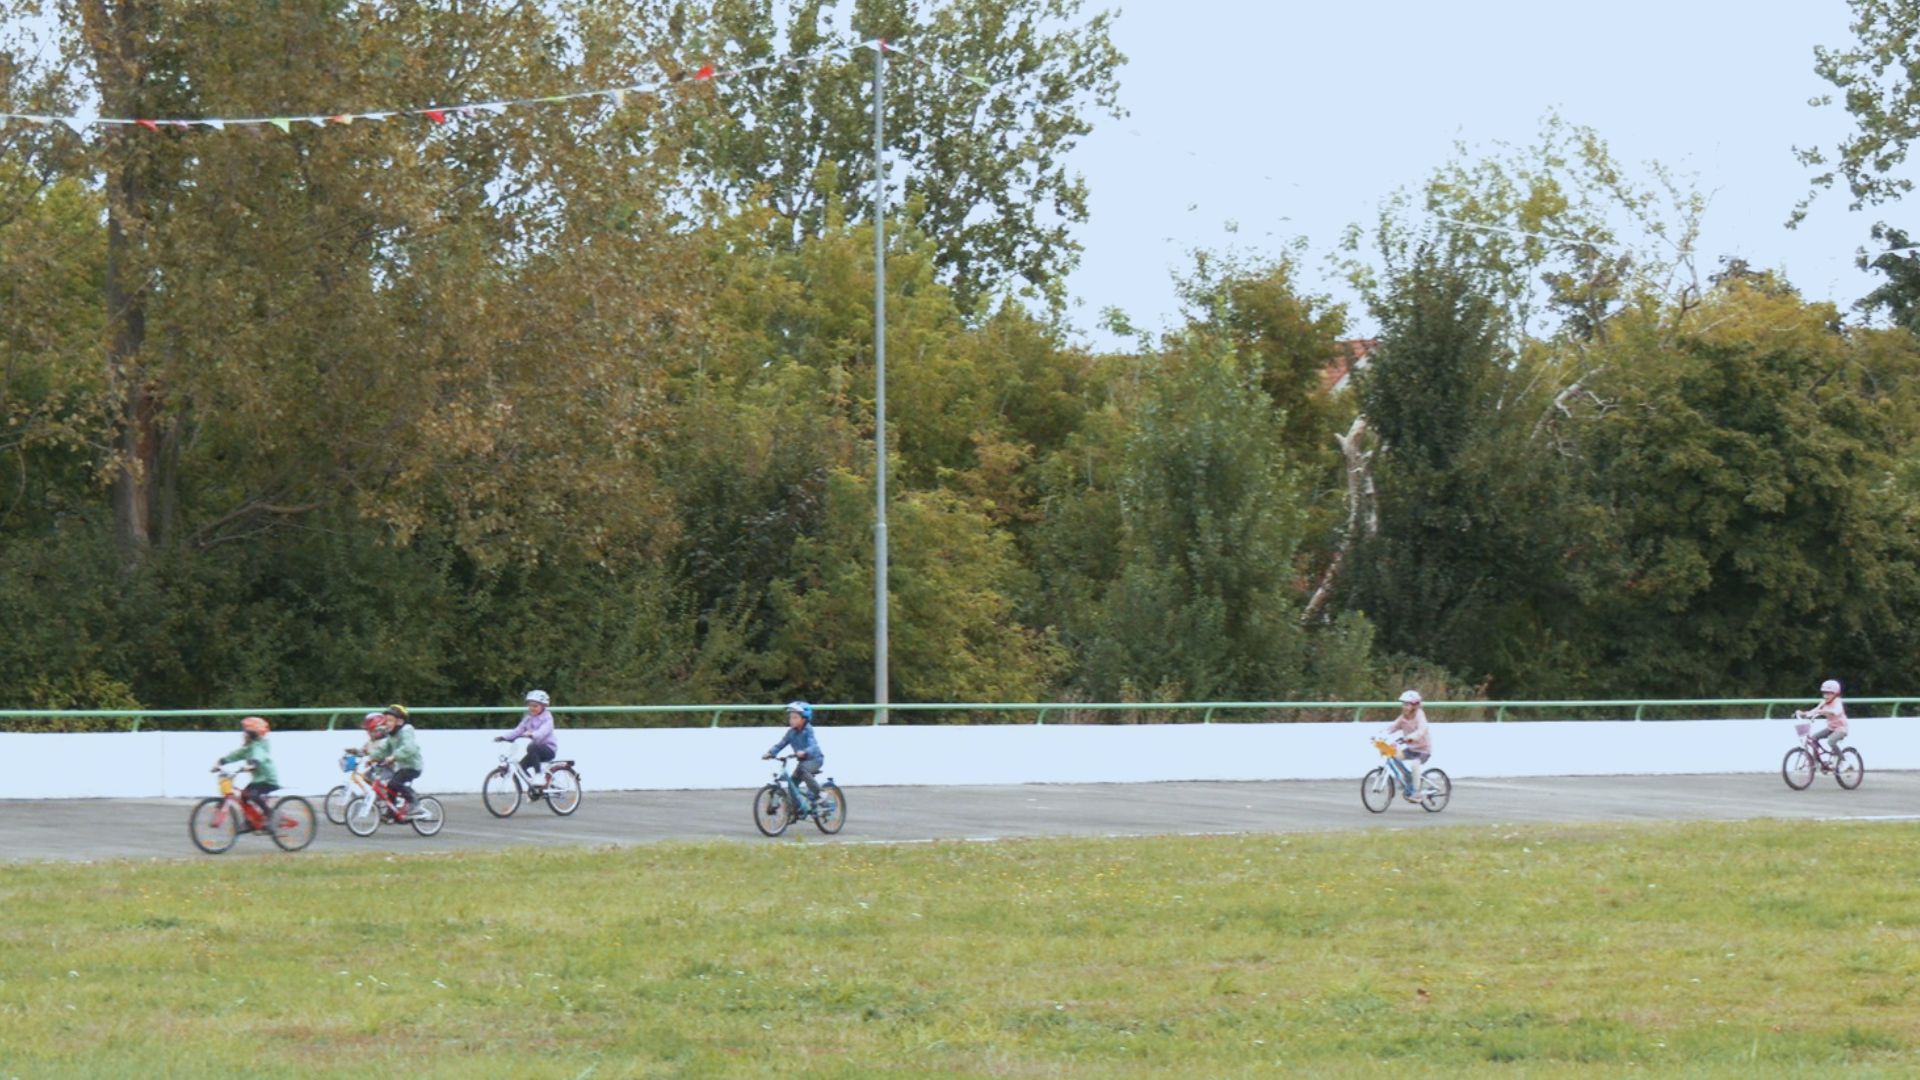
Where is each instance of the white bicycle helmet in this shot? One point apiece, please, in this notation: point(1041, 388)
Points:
point(1410, 697)
point(1831, 686)
point(539, 696)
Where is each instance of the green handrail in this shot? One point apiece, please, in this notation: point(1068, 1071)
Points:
point(141, 719)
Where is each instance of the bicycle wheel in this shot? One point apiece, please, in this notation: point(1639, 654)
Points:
point(1850, 769)
point(1376, 790)
point(363, 816)
point(291, 823)
point(563, 791)
point(335, 804)
point(212, 828)
point(1797, 768)
point(772, 812)
point(426, 815)
point(500, 793)
point(830, 814)
point(1437, 786)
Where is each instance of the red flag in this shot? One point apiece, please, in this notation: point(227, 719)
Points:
point(705, 72)
point(437, 116)
point(148, 124)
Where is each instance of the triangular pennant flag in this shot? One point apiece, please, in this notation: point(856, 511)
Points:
point(75, 124)
point(148, 124)
point(343, 118)
point(705, 72)
point(495, 107)
point(438, 116)
point(619, 99)
point(316, 121)
point(282, 123)
point(217, 125)
point(375, 116)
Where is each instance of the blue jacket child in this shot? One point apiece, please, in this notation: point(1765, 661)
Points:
point(806, 748)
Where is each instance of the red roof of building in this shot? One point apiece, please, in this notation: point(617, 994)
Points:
point(1348, 357)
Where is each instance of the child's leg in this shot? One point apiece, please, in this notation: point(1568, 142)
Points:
point(1833, 744)
point(403, 783)
point(256, 795)
point(1414, 761)
point(805, 771)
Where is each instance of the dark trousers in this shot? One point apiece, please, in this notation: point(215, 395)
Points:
point(537, 756)
point(257, 795)
point(402, 784)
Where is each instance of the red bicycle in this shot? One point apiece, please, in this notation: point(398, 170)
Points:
point(366, 813)
point(1803, 761)
point(216, 823)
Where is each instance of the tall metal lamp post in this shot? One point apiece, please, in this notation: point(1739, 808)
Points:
point(879, 383)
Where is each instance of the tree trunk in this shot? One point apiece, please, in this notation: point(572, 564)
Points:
point(111, 32)
point(1363, 517)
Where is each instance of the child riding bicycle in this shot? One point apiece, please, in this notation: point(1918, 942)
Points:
point(536, 725)
point(808, 760)
point(1830, 710)
point(254, 751)
point(1416, 741)
point(402, 751)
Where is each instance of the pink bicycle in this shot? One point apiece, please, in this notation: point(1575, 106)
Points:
point(1810, 757)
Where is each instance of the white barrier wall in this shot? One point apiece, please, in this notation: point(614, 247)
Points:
point(175, 764)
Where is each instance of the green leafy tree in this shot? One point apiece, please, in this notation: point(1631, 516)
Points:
point(1477, 555)
point(1172, 550)
point(984, 101)
point(1749, 473)
point(1876, 77)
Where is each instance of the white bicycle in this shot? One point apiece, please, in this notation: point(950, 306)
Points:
point(507, 786)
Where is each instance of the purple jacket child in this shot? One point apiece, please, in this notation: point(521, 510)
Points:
point(537, 725)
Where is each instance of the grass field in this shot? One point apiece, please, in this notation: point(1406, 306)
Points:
point(1748, 949)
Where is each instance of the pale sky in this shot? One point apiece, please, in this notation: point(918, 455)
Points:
point(1341, 103)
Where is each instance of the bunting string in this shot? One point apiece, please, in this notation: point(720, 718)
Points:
point(440, 114)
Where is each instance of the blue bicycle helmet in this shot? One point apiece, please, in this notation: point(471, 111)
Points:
point(801, 707)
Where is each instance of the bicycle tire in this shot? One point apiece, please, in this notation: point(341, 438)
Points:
point(363, 816)
point(830, 813)
point(1437, 786)
point(1797, 766)
point(495, 796)
point(427, 816)
point(563, 791)
point(1858, 770)
point(291, 823)
point(1376, 790)
point(772, 811)
point(218, 833)
point(335, 804)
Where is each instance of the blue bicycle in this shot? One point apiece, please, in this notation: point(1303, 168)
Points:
point(1378, 786)
point(784, 801)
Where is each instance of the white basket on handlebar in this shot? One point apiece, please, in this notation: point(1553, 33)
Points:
point(1802, 729)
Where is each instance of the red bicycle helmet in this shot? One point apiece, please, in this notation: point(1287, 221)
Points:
point(374, 722)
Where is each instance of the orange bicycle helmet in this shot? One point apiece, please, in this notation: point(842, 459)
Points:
point(254, 725)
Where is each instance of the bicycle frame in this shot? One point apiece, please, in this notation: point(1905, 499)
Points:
point(1395, 766)
point(803, 803)
point(231, 801)
point(1823, 758)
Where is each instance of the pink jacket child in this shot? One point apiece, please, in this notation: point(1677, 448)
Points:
point(1416, 741)
point(1832, 711)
